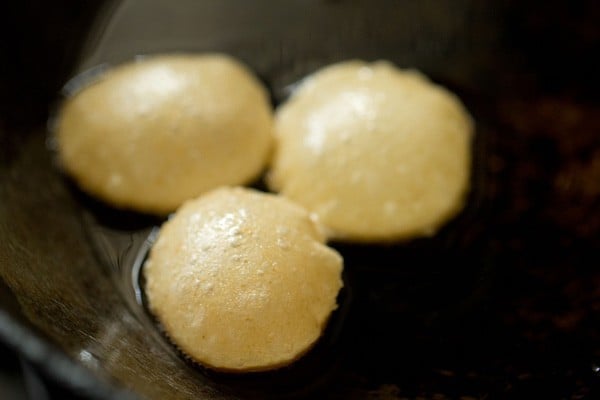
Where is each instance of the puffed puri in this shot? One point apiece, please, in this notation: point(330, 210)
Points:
point(379, 153)
point(242, 280)
point(150, 134)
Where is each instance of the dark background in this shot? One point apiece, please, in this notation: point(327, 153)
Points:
point(39, 46)
point(535, 334)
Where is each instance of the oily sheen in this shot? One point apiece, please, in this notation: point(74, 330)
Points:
point(242, 281)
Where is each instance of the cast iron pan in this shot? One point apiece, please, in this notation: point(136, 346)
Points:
point(502, 303)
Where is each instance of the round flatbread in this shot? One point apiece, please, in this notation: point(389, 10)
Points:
point(150, 134)
point(379, 153)
point(242, 280)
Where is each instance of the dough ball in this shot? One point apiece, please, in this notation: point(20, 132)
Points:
point(242, 280)
point(379, 153)
point(149, 135)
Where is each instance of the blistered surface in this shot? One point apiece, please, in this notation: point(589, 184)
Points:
point(242, 280)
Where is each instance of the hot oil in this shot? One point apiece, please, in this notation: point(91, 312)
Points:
point(392, 293)
point(122, 241)
point(122, 250)
point(124, 254)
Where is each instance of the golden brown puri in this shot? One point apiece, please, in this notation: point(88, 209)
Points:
point(150, 134)
point(379, 153)
point(242, 281)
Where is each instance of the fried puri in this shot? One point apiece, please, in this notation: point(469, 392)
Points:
point(242, 281)
point(150, 134)
point(379, 153)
